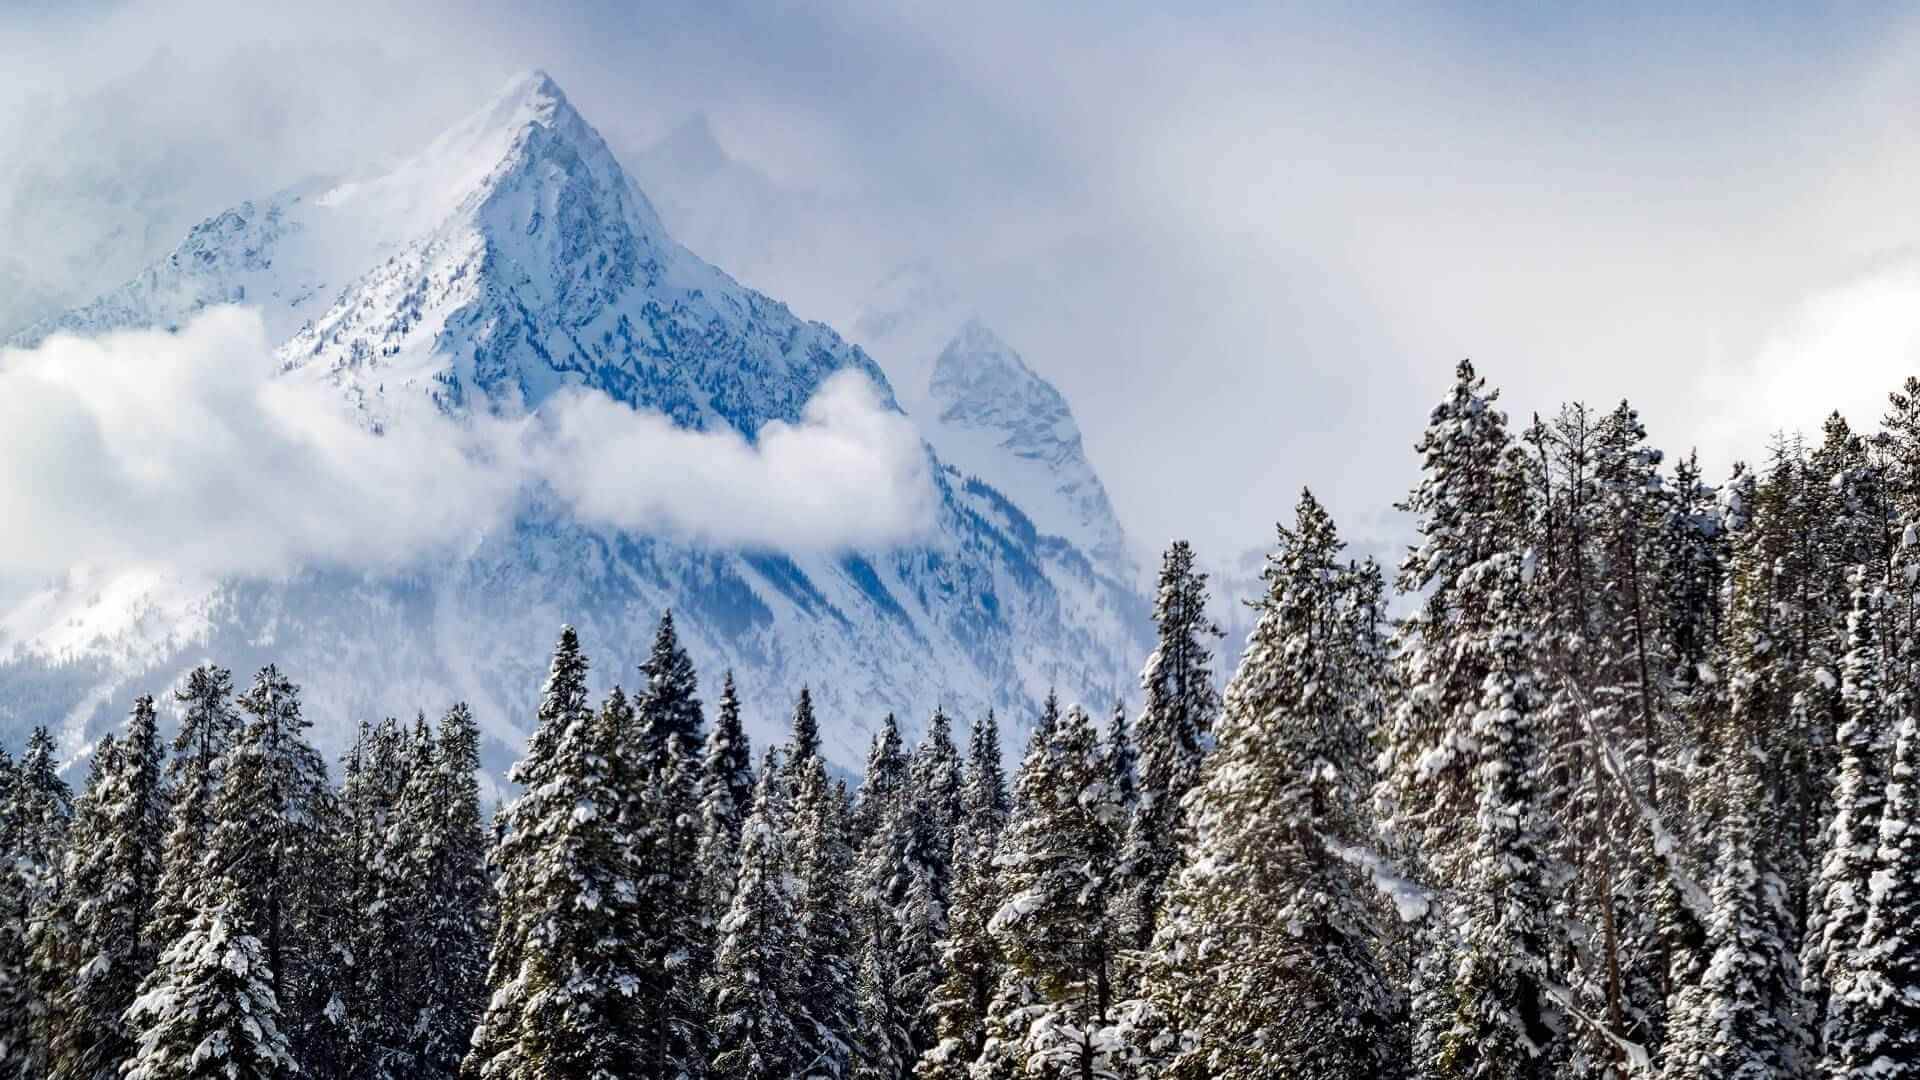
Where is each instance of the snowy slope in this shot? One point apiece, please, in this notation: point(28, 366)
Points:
point(988, 413)
point(510, 258)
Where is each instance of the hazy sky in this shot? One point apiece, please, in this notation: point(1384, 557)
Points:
point(1247, 243)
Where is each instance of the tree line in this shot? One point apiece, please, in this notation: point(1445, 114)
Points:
point(1626, 792)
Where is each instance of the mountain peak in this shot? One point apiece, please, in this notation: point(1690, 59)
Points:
point(976, 353)
point(1001, 420)
point(532, 94)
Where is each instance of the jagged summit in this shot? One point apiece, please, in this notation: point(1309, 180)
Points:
point(509, 258)
point(987, 412)
point(1008, 425)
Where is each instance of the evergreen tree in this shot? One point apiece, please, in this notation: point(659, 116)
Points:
point(679, 943)
point(1838, 905)
point(1171, 737)
point(822, 871)
point(1471, 506)
point(1729, 1025)
point(1058, 858)
point(383, 900)
point(209, 727)
point(268, 815)
point(1264, 962)
point(969, 957)
point(728, 760)
point(935, 775)
point(885, 781)
point(663, 817)
point(882, 1046)
point(35, 937)
point(1126, 771)
point(806, 733)
point(669, 703)
point(726, 794)
point(208, 1011)
point(583, 967)
point(14, 999)
point(454, 898)
point(523, 865)
point(1507, 1024)
point(971, 961)
point(985, 800)
point(1876, 1036)
point(113, 867)
point(758, 1031)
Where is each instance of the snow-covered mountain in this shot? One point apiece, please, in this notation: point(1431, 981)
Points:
point(989, 414)
point(509, 259)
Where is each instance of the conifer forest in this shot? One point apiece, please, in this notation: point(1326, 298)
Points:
point(1613, 775)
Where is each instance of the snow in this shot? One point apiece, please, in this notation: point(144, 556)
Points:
point(988, 413)
point(508, 259)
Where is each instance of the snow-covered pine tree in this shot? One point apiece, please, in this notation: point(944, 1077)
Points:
point(678, 942)
point(663, 816)
point(1265, 960)
point(1058, 858)
point(805, 743)
point(452, 924)
point(880, 1041)
point(935, 776)
point(1466, 509)
point(113, 868)
point(53, 946)
point(372, 979)
point(726, 794)
point(1837, 906)
point(969, 957)
point(1730, 1026)
point(583, 969)
point(14, 1000)
point(1170, 739)
point(209, 726)
point(825, 946)
point(36, 935)
point(1876, 1035)
point(1768, 739)
point(728, 763)
point(1507, 1025)
point(521, 862)
point(1126, 766)
point(758, 1024)
point(985, 799)
point(669, 703)
point(272, 799)
point(208, 1011)
point(1010, 1017)
point(919, 920)
point(904, 871)
point(1691, 553)
point(882, 786)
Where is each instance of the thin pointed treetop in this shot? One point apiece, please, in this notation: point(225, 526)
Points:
point(669, 704)
point(806, 729)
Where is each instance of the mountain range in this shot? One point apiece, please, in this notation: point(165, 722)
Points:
point(512, 259)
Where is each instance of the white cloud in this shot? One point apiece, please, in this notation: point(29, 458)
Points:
point(1845, 348)
point(179, 450)
point(851, 472)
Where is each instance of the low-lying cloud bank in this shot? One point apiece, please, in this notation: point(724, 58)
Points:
point(181, 451)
